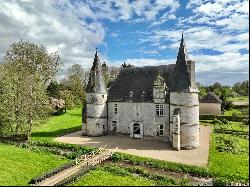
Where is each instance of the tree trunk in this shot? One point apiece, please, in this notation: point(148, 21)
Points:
point(29, 129)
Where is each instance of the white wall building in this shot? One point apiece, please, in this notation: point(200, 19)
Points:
point(154, 102)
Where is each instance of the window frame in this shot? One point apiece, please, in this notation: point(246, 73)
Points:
point(160, 130)
point(159, 110)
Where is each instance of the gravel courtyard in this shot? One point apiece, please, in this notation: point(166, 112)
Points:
point(146, 148)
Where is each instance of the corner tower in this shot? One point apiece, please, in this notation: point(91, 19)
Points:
point(96, 96)
point(184, 100)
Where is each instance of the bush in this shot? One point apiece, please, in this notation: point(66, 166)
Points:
point(116, 157)
point(51, 173)
point(229, 144)
point(229, 118)
point(216, 121)
point(245, 121)
point(235, 114)
point(220, 182)
point(171, 166)
point(74, 177)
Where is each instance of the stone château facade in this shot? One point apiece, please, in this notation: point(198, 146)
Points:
point(157, 102)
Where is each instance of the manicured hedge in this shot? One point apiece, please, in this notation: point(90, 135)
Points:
point(75, 176)
point(76, 150)
point(170, 166)
point(230, 118)
point(162, 180)
point(51, 173)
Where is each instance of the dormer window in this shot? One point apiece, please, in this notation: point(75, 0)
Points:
point(159, 109)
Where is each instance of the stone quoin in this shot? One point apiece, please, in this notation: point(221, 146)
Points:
point(151, 102)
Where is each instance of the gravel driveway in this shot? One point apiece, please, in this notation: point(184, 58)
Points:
point(146, 148)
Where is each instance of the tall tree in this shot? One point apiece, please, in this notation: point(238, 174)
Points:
point(27, 70)
point(76, 82)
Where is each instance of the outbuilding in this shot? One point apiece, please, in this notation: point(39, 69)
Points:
point(210, 104)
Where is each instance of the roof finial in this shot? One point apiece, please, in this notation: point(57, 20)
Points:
point(182, 40)
point(96, 54)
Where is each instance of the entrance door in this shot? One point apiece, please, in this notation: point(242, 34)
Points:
point(137, 131)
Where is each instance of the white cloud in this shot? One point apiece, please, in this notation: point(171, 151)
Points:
point(227, 14)
point(227, 62)
point(62, 25)
point(55, 25)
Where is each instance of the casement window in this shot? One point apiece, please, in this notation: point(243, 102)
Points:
point(115, 108)
point(114, 125)
point(159, 109)
point(103, 128)
point(160, 130)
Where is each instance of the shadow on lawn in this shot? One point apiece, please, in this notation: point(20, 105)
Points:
point(59, 132)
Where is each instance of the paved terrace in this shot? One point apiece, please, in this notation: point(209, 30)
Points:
point(146, 148)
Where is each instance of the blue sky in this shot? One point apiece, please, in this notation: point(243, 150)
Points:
point(139, 32)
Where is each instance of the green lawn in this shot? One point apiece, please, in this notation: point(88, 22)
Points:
point(69, 122)
point(232, 166)
point(239, 98)
point(229, 153)
point(18, 165)
point(232, 112)
point(105, 178)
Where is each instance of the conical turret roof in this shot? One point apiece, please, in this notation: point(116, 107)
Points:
point(96, 82)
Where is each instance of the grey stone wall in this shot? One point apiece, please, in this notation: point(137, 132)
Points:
point(210, 109)
point(126, 115)
point(96, 124)
point(188, 104)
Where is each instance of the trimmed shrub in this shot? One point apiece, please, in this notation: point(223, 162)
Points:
point(51, 173)
point(171, 166)
point(75, 177)
point(229, 118)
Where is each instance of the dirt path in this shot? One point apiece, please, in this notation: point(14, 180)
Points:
point(146, 148)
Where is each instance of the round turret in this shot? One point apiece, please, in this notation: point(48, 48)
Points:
point(188, 105)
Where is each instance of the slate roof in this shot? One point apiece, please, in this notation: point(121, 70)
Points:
point(96, 82)
point(210, 98)
point(139, 80)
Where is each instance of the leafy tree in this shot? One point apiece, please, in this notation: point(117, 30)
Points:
point(223, 92)
point(26, 71)
point(242, 88)
point(76, 81)
point(202, 90)
point(113, 72)
point(68, 97)
point(53, 89)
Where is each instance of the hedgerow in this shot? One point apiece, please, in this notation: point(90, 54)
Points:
point(170, 166)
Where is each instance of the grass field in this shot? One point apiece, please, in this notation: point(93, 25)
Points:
point(18, 165)
point(240, 98)
point(229, 152)
point(101, 177)
point(58, 125)
point(232, 112)
point(221, 164)
point(228, 156)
